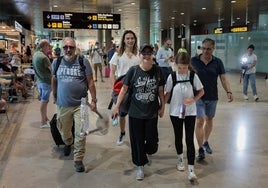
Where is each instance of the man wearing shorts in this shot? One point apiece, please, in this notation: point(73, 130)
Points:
point(208, 68)
point(42, 68)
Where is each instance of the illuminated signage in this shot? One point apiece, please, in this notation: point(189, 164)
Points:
point(218, 30)
point(18, 27)
point(239, 29)
point(69, 20)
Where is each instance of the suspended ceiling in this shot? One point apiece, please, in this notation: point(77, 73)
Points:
point(164, 14)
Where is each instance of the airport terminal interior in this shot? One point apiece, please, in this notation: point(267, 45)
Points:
point(29, 157)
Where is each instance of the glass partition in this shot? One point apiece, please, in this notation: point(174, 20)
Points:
point(230, 47)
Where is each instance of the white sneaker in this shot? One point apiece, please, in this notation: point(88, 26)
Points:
point(180, 165)
point(140, 173)
point(47, 125)
point(245, 97)
point(120, 140)
point(256, 98)
point(192, 176)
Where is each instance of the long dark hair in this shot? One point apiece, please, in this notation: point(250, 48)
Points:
point(123, 45)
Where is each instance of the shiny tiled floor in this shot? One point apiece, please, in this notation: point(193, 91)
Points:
point(29, 158)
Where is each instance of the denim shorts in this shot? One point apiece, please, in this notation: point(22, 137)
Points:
point(206, 108)
point(45, 90)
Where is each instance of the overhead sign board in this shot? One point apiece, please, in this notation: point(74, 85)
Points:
point(239, 29)
point(18, 27)
point(71, 20)
point(218, 30)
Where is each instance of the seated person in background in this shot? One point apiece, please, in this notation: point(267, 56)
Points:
point(17, 83)
point(5, 63)
point(2, 101)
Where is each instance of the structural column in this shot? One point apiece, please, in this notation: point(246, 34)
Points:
point(108, 38)
point(144, 26)
point(100, 37)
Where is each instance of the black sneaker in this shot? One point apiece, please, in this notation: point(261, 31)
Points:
point(207, 147)
point(67, 150)
point(121, 139)
point(79, 166)
point(201, 154)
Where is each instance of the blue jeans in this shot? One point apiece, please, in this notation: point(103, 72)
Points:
point(251, 79)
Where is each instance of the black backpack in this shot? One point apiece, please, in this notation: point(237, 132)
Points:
point(175, 81)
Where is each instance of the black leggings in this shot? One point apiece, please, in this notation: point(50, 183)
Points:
point(143, 136)
point(189, 123)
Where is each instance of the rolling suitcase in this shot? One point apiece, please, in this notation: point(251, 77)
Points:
point(107, 71)
point(55, 132)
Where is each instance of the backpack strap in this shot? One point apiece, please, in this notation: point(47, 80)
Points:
point(174, 79)
point(174, 82)
point(81, 62)
point(192, 78)
point(133, 75)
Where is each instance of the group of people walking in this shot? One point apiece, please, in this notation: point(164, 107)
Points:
point(151, 88)
point(188, 84)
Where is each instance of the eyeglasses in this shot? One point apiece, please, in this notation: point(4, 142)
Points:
point(146, 53)
point(70, 47)
point(168, 44)
point(208, 49)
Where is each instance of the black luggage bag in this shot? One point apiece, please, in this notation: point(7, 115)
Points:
point(55, 132)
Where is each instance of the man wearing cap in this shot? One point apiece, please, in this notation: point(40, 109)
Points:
point(146, 83)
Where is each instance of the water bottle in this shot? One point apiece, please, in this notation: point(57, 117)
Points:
point(115, 121)
point(182, 111)
point(84, 109)
point(1, 71)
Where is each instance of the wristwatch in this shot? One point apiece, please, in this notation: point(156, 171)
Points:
point(94, 100)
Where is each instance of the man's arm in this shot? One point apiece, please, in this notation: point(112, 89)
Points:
point(162, 101)
point(92, 90)
point(112, 74)
point(226, 85)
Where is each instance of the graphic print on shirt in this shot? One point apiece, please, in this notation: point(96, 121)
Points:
point(69, 73)
point(146, 88)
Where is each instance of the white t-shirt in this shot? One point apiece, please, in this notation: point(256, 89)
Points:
point(181, 91)
point(123, 63)
point(249, 61)
point(96, 57)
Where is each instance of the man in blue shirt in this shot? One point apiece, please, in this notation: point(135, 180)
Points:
point(71, 82)
point(208, 68)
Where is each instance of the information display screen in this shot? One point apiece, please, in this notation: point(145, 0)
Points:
point(71, 20)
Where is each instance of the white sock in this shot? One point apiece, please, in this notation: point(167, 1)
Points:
point(191, 168)
point(180, 156)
